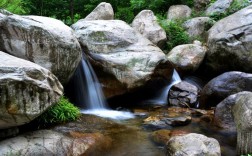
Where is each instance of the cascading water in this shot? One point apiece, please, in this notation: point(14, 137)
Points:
point(88, 92)
point(162, 95)
point(93, 97)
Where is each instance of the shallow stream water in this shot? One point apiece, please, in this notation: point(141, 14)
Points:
point(134, 139)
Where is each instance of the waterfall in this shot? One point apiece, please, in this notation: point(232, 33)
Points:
point(88, 93)
point(93, 97)
point(162, 96)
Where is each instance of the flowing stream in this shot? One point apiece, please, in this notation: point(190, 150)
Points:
point(134, 139)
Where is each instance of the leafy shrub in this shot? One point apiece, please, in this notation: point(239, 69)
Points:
point(125, 14)
point(14, 6)
point(176, 34)
point(61, 112)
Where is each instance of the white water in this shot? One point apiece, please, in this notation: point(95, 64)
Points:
point(112, 114)
point(90, 94)
point(162, 97)
point(94, 98)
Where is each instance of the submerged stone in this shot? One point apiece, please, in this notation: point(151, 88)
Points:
point(193, 144)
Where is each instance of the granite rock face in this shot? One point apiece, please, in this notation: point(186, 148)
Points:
point(146, 24)
point(230, 43)
point(26, 91)
point(103, 11)
point(122, 57)
point(45, 41)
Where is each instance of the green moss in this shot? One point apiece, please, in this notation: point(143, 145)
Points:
point(61, 112)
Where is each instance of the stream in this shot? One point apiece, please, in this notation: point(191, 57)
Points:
point(133, 138)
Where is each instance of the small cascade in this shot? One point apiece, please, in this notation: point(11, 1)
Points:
point(88, 93)
point(162, 95)
point(93, 97)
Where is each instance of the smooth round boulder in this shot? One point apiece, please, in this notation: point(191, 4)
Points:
point(187, 58)
point(192, 144)
point(122, 58)
point(224, 85)
point(179, 12)
point(230, 43)
point(45, 41)
point(26, 91)
point(103, 11)
point(183, 94)
point(146, 24)
point(198, 27)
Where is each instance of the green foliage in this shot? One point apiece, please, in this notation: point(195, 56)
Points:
point(235, 6)
point(176, 34)
point(125, 14)
point(61, 112)
point(14, 6)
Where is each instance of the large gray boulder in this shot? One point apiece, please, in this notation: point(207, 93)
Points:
point(42, 40)
point(187, 58)
point(194, 145)
point(123, 58)
point(198, 27)
point(220, 6)
point(26, 90)
point(103, 11)
point(179, 12)
point(224, 85)
point(223, 117)
point(51, 143)
point(146, 24)
point(230, 43)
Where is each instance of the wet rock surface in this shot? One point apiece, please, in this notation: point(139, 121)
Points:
point(183, 94)
point(193, 144)
point(224, 85)
point(173, 116)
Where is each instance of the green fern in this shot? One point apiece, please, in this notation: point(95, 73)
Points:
point(61, 112)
